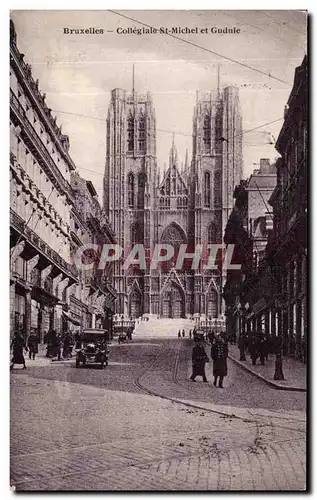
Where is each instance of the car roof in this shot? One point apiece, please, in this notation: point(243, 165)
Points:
point(92, 331)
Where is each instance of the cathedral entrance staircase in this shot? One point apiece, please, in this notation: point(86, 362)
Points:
point(163, 327)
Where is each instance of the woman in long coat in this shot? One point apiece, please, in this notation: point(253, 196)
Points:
point(18, 344)
point(219, 354)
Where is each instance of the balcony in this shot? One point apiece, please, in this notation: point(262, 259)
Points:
point(36, 141)
point(20, 225)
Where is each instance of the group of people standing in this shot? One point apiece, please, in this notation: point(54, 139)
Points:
point(59, 345)
point(259, 346)
point(218, 354)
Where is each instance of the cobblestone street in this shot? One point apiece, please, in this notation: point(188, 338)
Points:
point(91, 429)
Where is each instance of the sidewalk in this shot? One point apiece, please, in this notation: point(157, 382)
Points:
point(295, 372)
point(41, 359)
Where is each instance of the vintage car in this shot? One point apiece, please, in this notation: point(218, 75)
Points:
point(122, 338)
point(93, 347)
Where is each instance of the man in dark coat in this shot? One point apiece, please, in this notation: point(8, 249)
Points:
point(199, 359)
point(253, 349)
point(33, 345)
point(66, 345)
point(262, 348)
point(242, 347)
point(219, 354)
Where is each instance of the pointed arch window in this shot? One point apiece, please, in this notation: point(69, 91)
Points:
point(207, 133)
point(136, 236)
point(212, 233)
point(217, 189)
point(141, 185)
point(130, 133)
point(131, 190)
point(141, 136)
point(207, 189)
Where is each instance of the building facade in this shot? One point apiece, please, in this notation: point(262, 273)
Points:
point(187, 205)
point(42, 269)
point(249, 292)
point(91, 300)
point(288, 246)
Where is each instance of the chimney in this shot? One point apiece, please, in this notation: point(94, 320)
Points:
point(264, 166)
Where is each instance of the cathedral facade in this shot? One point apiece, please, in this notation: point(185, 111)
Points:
point(187, 205)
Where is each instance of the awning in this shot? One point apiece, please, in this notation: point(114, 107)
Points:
point(71, 319)
point(259, 306)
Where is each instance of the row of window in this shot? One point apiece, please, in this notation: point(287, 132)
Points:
point(141, 181)
point(171, 187)
point(181, 202)
point(140, 136)
point(207, 189)
point(40, 130)
point(295, 152)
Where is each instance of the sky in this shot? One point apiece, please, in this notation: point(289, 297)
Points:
point(77, 73)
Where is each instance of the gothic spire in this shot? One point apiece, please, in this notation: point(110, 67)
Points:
point(173, 154)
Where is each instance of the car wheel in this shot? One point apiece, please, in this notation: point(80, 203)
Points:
point(102, 364)
point(77, 363)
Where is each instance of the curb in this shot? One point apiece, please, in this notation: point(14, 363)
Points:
point(265, 380)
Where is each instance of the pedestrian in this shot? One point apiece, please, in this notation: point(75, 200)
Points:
point(57, 345)
point(242, 346)
point(199, 359)
point(179, 334)
point(190, 334)
point(183, 333)
point(219, 354)
point(18, 344)
point(51, 340)
point(268, 345)
point(66, 345)
point(33, 345)
point(261, 348)
point(211, 336)
point(253, 349)
point(77, 340)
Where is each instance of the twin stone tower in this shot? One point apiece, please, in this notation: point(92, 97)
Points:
point(188, 205)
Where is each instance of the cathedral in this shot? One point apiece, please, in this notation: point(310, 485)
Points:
point(188, 204)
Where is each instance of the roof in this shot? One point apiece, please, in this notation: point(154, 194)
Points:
point(91, 188)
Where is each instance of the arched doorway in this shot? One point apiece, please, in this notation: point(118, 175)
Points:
point(135, 309)
point(173, 301)
point(173, 235)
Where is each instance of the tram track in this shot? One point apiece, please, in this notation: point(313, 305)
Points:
point(137, 382)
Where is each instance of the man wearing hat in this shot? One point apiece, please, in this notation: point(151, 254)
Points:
point(219, 354)
point(199, 359)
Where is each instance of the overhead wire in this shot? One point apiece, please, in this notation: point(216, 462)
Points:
point(278, 21)
point(201, 47)
point(261, 29)
point(171, 132)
